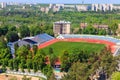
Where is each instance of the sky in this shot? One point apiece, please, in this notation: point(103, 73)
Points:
point(64, 1)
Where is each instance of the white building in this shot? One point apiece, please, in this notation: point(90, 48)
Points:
point(82, 8)
point(3, 4)
point(116, 7)
point(102, 7)
point(94, 7)
point(56, 8)
point(44, 9)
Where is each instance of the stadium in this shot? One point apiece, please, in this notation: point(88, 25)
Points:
point(44, 40)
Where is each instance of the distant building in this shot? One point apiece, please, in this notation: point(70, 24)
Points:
point(3, 4)
point(60, 5)
point(116, 7)
point(61, 27)
point(24, 7)
point(101, 26)
point(83, 25)
point(82, 8)
point(118, 30)
point(50, 6)
point(94, 7)
point(56, 8)
point(44, 9)
point(102, 7)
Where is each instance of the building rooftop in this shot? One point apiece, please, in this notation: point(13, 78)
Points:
point(62, 22)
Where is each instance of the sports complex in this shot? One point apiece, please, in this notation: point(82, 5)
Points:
point(44, 40)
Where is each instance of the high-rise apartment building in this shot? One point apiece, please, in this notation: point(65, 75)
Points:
point(3, 4)
point(61, 27)
point(102, 7)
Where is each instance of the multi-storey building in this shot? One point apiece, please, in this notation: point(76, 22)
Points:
point(61, 27)
point(82, 8)
point(3, 4)
point(102, 7)
point(44, 9)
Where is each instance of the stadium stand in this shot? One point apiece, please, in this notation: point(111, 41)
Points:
point(35, 40)
point(41, 38)
point(111, 39)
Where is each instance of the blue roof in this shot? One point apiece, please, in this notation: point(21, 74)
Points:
point(35, 40)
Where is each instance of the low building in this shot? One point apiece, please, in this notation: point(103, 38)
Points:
point(56, 8)
point(83, 25)
point(44, 9)
point(82, 8)
point(101, 26)
point(118, 30)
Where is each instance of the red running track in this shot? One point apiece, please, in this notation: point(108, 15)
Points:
point(109, 45)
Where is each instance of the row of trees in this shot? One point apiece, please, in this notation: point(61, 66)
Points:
point(32, 22)
point(112, 30)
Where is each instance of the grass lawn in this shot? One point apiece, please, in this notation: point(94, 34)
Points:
point(60, 47)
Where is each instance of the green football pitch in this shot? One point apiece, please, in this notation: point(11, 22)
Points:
point(60, 47)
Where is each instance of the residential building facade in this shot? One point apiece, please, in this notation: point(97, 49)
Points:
point(61, 27)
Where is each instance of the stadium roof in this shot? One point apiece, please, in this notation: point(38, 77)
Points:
point(35, 40)
point(62, 22)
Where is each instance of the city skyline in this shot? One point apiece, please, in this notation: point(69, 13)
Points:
point(66, 1)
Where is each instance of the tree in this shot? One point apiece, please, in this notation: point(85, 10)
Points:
point(16, 63)
point(16, 46)
point(29, 64)
point(4, 64)
point(114, 27)
point(12, 36)
point(12, 28)
point(22, 52)
point(22, 64)
point(34, 65)
point(52, 77)
point(78, 71)
point(89, 30)
point(35, 49)
point(24, 31)
point(48, 71)
point(51, 50)
point(11, 64)
point(65, 60)
point(102, 32)
point(3, 30)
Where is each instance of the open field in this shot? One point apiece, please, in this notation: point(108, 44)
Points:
point(60, 47)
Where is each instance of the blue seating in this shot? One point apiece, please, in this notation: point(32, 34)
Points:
point(111, 39)
point(41, 38)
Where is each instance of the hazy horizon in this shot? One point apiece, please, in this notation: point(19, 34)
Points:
point(65, 1)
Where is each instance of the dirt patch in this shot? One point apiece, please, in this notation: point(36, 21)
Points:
point(16, 77)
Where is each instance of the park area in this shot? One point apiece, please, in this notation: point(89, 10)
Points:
point(60, 47)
